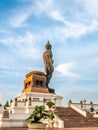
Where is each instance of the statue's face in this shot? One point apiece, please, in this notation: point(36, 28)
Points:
point(48, 47)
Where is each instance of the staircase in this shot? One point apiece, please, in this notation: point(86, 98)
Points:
point(72, 118)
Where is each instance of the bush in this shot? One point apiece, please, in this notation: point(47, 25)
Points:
point(91, 109)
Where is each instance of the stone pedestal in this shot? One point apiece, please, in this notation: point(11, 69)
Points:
point(35, 82)
point(36, 126)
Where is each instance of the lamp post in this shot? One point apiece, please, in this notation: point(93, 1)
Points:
point(84, 101)
point(91, 103)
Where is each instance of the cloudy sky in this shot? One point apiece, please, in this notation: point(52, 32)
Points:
point(71, 26)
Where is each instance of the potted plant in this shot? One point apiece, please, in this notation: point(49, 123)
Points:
point(35, 118)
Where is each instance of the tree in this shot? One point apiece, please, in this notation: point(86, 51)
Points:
point(6, 104)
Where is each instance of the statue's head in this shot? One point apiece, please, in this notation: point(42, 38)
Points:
point(48, 46)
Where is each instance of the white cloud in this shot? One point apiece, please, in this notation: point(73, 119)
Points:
point(26, 44)
point(18, 20)
point(73, 29)
point(66, 69)
point(22, 15)
point(29, 46)
point(9, 40)
point(13, 73)
point(91, 7)
point(43, 6)
point(57, 16)
point(78, 29)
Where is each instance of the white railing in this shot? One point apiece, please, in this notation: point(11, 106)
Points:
point(58, 123)
point(86, 108)
point(82, 112)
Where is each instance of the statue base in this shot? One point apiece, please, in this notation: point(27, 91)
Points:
point(36, 82)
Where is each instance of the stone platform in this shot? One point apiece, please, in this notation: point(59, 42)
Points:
point(84, 128)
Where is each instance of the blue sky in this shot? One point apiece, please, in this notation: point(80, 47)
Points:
point(71, 26)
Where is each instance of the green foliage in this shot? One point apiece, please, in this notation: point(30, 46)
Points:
point(38, 114)
point(50, 104)
point(6, 104)
point(91, 109)
point(51, 116)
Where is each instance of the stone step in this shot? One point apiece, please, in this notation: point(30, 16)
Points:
point(72, 118)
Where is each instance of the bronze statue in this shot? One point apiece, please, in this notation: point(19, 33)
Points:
point(48, 62)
